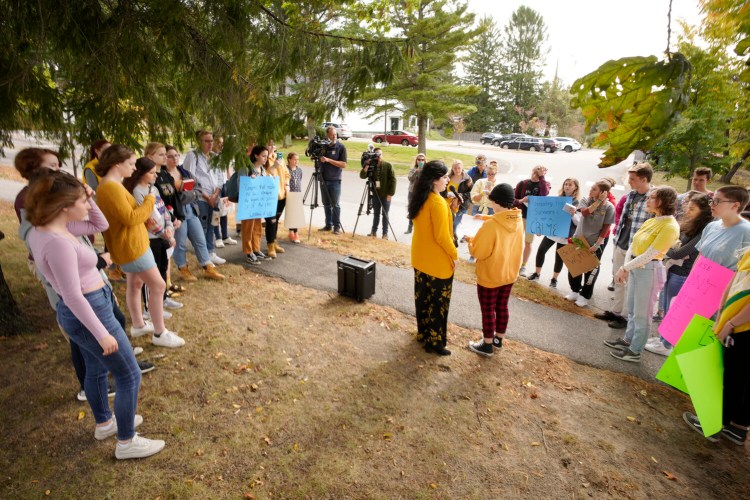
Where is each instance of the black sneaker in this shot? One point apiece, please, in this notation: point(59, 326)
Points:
point(373, 234)
point(626, 355)
point(618, 324)
point(146, 367)
point(735, 434)
point(481, 347)
point(553, 283)
point(81, 396)
point(533, 277)
point(497, 342)
point(252, 259)
point(695, 424)
point(260, 255)
point(611, 286)
point(606, 316)
point(326, 228)
point(618, 343)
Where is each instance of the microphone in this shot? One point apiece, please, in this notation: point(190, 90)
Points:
point(370, 148)
point(452, 189)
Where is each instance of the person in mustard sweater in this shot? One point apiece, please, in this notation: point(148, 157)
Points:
point(498, 250)
point(128, 245)
point(433, 256)
point(276, 168)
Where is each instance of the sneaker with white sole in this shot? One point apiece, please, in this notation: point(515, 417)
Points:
point(695, 424)
point(219, 243)
point(216, 260)
point(582, 301)
point(138, 447)
point(137, 350)
point(110, 430)
point(482, 348)
point(618, 343)
point(172, 304)
point(164, 314)
point(653, 341)
point(572, 296)
point(230, 241)
point(522, 272)
point(735, 434)
point(81, 396)
point(167, 339)
point(147, 327)
point(626, 355)
point(659, 349)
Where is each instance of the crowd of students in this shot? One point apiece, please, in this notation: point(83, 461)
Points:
point(147, 209)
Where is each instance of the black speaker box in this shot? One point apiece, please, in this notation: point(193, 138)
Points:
point(356, 278)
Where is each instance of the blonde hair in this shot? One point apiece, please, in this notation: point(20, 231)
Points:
point(152, 147)
point(577, 194)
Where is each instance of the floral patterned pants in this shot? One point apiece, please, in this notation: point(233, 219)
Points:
point(432, 298)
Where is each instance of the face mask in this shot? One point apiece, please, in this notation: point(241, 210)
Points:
point(420, 163)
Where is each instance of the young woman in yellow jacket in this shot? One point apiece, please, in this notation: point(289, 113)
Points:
point(433, 255)
point(498, 249)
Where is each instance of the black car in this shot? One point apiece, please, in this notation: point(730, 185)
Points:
point(527, 143)
point(550, 145)
point(489, 137)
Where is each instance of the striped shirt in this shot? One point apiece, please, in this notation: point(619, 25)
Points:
point(198, 165)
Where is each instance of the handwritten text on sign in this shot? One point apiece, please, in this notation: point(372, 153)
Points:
point(258, 197)
point(700, 294)
point(546, 216)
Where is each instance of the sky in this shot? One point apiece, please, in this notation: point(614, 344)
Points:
point(583, 34)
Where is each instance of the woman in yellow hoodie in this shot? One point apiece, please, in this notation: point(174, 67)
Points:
point(433, 256)
point(498, 250)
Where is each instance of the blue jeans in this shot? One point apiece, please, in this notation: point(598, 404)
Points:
point(643, 289)
point(122, 364)
point(331, 194)
point(457, 218)
point(190, 228)
point(205, 215)
point(380, 205)
point(671, 289)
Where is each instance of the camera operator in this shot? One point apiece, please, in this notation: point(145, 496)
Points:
point(332, 165)
point(383, 177)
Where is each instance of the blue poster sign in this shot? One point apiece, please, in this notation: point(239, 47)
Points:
point(258, 197)
point(546, 216)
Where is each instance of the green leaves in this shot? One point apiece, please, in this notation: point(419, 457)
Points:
point(637, 97)
point(742, 49)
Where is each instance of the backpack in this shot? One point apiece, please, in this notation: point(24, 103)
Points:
point(233, 184)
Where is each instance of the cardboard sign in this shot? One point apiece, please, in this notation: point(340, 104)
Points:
point(699, 333)
point(577, 258)
point(701, 294)
point(546, 216)
point(703, 371)
point(258, 197)
point(294, 212)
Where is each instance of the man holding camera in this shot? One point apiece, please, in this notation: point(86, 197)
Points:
point(380, 173)
point(332, 165)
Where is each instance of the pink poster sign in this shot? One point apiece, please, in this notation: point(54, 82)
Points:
point(700, 294)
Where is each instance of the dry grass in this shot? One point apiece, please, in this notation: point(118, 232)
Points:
point(287, 392)
point(9, 172)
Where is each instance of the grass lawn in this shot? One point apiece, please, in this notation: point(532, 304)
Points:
point(401, 157)
point(680, 184)
point(288, 392)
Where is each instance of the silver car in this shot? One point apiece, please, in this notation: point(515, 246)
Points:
point(567, 144)
point(343, 131)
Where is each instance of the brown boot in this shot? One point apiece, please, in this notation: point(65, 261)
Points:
point(277, 247)
point(271, 252)
point(186, 275)
point(210, 273)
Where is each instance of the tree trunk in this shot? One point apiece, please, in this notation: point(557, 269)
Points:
point(11, 317)
point(690, 175)
point(728, 176)
point(422, 132)
point(310, 123)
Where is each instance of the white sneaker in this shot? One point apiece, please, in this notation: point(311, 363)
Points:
point(137, 350)
point(138, 447)
point(659, 349)
point(653, 341)
point(572, 296)
point(522, 271)
point(230, 241)
point(582, 301)
point(170, 303)
point(110, 430)
point(219, 244)
point(164, 314)
point(146, 328)
point(168, 339)
point(216, 260)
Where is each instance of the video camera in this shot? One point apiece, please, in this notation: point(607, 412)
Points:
point(317, 147)
point(370, 157)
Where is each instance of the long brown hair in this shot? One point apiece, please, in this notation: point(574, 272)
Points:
point(142, 167)
point(695, 226)
point(49, 193)
point(28, 161)
point(113, 155)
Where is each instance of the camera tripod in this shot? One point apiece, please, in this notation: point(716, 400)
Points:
point(314, 185)
point(367, 196)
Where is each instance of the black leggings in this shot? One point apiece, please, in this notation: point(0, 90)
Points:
point(737, 381)
point(272, 223)
point(159, 248)
point(544, 247)
point(589, 279)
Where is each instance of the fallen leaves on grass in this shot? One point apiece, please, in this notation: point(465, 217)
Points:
point(40, 347)
point(669, 475)
point(81, 414)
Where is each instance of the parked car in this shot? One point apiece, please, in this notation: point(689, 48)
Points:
point(527, 143)
point(568, 144)
point(550, 145)
point(490, 137)
point(397, 137)
point(342, 129)
point(510, 137)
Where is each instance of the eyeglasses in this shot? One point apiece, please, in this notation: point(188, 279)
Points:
point(715, 202)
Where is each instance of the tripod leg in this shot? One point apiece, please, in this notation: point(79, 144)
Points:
point(362, 201)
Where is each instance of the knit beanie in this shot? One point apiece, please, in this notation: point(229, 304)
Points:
point(503, 195)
